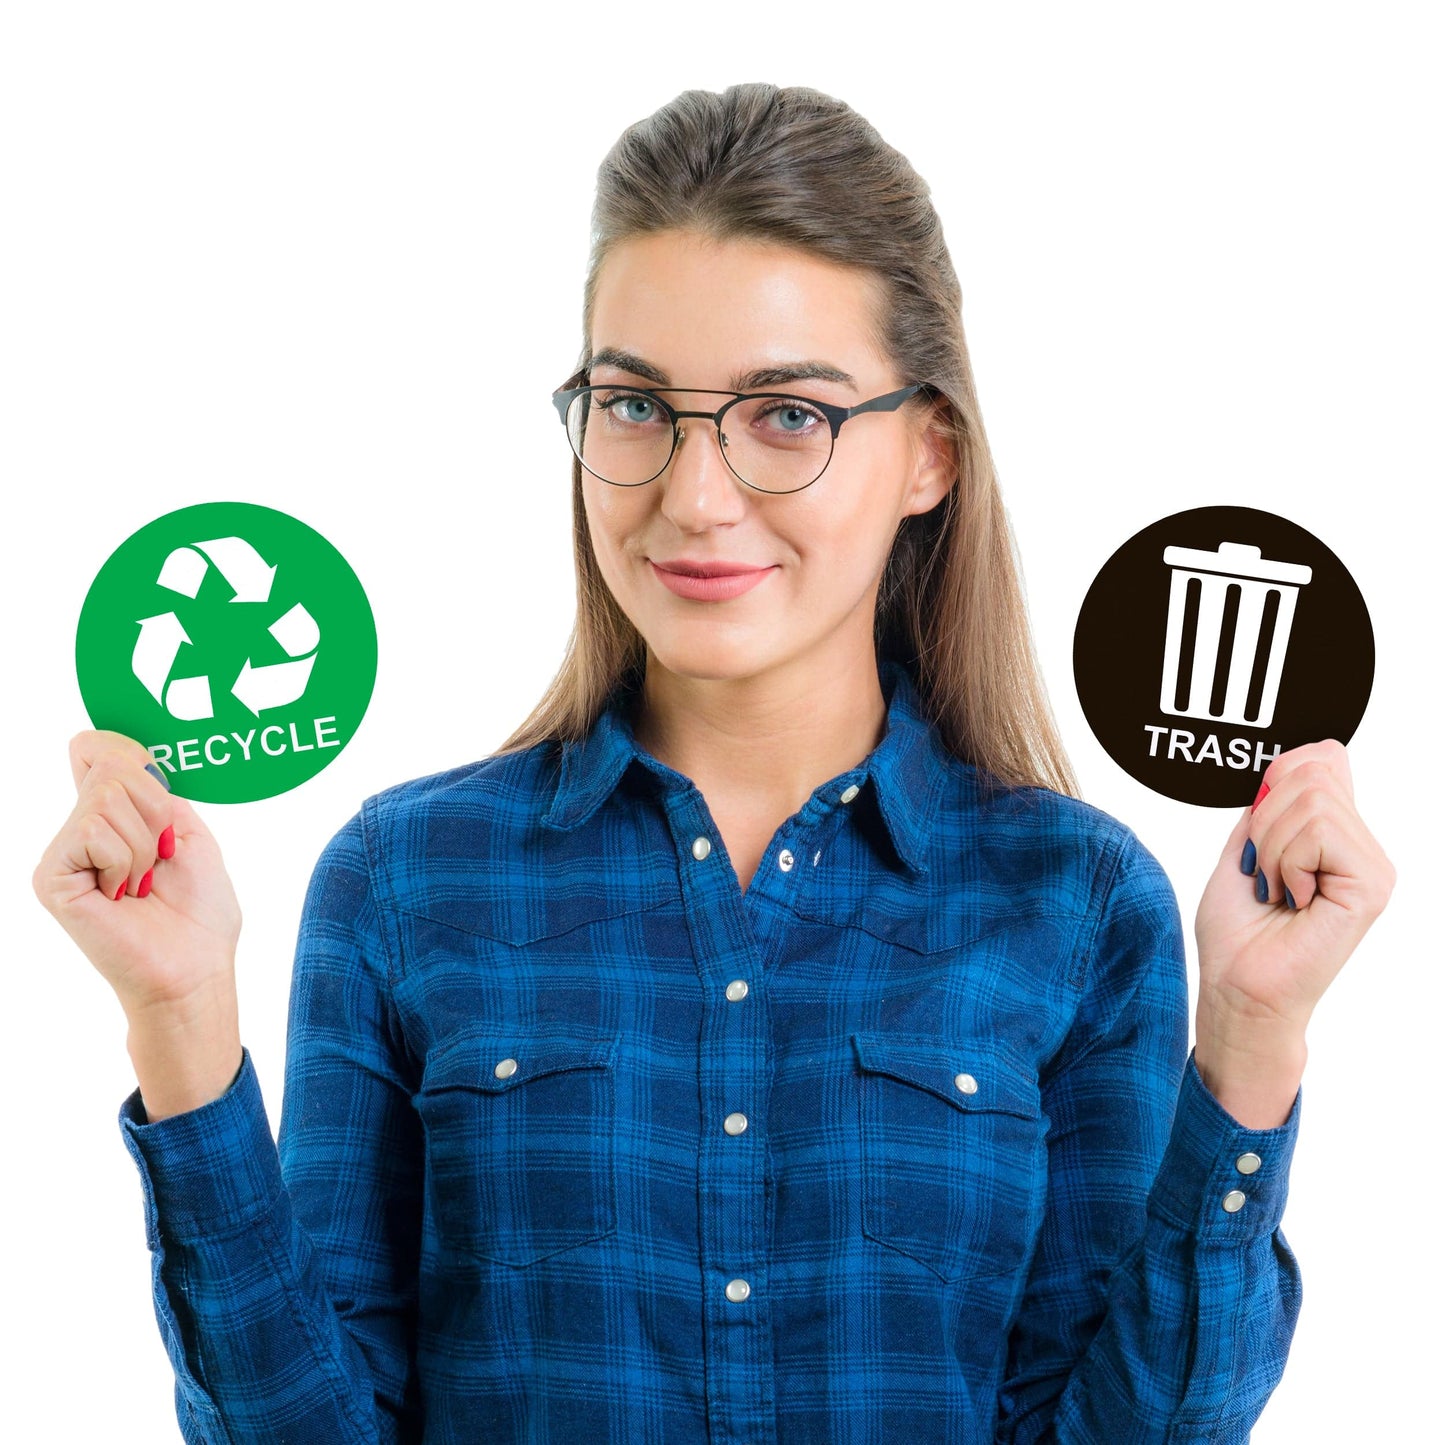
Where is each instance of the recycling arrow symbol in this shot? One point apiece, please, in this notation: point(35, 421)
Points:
point(162, 635)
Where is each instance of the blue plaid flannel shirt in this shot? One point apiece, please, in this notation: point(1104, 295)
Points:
point(582, 1142)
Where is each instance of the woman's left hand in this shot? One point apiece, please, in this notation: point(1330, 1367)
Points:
point(1264, 964)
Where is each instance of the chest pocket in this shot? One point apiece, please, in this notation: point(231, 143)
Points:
point(953, 1152)
point(520, 1142)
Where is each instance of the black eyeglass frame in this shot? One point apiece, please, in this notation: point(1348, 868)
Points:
point(835, 416)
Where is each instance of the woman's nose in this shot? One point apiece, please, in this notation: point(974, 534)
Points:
point(699, 469)
point(703, 430)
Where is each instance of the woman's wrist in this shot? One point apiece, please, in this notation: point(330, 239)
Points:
point(184, 1057)
point(1252, 1069)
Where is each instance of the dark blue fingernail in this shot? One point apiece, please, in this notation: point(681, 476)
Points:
point(155, 772)
point(1246, 859)
point(1261, 886)
point(1289, 898)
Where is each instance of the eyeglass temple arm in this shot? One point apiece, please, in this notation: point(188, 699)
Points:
point(891, 402)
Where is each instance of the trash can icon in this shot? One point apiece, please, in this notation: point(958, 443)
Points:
point(1230, 614)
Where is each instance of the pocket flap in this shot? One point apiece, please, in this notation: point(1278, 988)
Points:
point(1002, 1082)
point(469, 1060)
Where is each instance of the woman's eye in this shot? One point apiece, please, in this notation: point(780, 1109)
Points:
point(792, 416)
point(629, 408)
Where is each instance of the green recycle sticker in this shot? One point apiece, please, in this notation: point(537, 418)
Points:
point(232, 641)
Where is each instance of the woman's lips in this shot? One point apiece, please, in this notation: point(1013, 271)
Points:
point(710, 589)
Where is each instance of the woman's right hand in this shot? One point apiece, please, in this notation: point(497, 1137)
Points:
point(173, 946)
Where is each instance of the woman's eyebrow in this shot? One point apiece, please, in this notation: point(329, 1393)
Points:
point(761, 376)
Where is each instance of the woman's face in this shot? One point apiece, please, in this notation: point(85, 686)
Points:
point(703, 313)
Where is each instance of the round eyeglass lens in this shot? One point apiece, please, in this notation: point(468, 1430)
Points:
point(774, 443)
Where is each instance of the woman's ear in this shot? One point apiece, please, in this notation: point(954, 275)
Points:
point(935, 458)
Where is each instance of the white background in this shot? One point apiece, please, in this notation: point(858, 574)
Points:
point(329, 259)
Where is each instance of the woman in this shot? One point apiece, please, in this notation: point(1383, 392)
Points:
point(766, 1044)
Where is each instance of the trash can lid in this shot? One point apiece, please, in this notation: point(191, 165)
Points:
point(1240, 559)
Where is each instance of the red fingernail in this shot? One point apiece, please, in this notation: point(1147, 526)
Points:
point(121, 890)
point(166, 845)
point(145, 884)
point(1259, 796)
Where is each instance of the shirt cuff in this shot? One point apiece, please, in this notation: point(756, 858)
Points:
point(1219, 1179)
point(209, 1169)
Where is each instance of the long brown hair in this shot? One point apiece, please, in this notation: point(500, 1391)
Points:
point(793, 166)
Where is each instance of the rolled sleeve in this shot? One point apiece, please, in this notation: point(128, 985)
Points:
point(208, 1169)
point(1218, 1178)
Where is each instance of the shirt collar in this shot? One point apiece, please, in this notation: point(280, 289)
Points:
point(906, 769)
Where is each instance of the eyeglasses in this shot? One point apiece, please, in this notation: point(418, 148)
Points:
point(774, 441)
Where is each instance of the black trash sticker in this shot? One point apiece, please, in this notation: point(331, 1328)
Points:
point(1213, 641)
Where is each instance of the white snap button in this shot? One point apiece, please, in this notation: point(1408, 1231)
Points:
point(735, 1123)
point(1247, 1163)
point(506, 1069)
point(785, 860)
point(966, 1083)
point(701, 848)
point(1234, 1201)
point(738, 1289)
point(848, 793)
point(737, 989)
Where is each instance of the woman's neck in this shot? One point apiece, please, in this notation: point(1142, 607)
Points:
point(760, 746)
